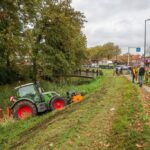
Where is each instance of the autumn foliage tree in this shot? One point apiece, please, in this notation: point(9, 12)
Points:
point(107, 50)
point(46, 32)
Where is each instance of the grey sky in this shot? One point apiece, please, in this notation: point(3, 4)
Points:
point(118, 21)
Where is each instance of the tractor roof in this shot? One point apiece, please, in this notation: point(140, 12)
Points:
point(23, 85)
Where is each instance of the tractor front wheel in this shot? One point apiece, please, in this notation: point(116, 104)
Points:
point(24, 109)
point(58, 103)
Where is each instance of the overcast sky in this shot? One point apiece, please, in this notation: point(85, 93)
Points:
point(118, 21)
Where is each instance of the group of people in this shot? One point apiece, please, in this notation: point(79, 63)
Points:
point(138, 74)
point(88, 72)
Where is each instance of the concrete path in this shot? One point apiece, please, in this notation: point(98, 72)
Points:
point(146, 88)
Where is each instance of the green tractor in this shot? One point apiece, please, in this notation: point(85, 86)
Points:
point(30, 100)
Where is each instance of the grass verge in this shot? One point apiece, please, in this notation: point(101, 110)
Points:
point(17, 128)
point(129, 126)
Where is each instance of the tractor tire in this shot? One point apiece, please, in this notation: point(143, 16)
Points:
point(57, 103)
point(24, 109)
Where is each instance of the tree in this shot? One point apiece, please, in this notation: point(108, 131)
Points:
point(107, 50)
point(47, 32)
point(9, 31)
point(111, 50)
point(54, 37)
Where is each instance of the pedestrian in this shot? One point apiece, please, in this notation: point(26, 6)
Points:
point(121, 70)
point(133, 73)
point(141, 74)
point(97, 73)
point(80, 71)
point(116, 70)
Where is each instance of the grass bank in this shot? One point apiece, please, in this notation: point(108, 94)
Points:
point(18, 128)
point(111, 117)
point(130, 123)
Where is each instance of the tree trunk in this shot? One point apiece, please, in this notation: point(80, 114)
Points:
point(34, 60)
point(34, 69)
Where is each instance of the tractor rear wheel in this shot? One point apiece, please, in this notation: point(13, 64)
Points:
point(24, 109)
point(58, 103)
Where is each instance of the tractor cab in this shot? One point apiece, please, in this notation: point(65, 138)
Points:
point(31, 91)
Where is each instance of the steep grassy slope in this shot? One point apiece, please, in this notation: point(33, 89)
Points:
point(110, 117)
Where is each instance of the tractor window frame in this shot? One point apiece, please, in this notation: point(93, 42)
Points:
point(25, 90)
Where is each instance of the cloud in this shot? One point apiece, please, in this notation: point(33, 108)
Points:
point(119, 21)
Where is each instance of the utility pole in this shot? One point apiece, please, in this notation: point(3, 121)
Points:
point(128, 56)
point(145, 41)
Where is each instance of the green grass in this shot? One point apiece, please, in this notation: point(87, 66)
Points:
point(93, 125)
point(85, 86)
point(110, 117)
point(129, 127)
point(18, 127)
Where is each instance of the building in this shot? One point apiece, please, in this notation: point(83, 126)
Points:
point(135, 60)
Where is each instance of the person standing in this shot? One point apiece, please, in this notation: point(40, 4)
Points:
point(141, 74)
point(116, 70)
point(133, 72)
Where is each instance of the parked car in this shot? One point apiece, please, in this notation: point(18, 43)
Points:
point(124, 67)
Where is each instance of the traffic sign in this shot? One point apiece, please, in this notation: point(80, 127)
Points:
point(138, 49)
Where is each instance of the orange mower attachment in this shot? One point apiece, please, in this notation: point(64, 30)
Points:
point(77, 98)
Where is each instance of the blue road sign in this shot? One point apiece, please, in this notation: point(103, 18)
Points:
point(138, 49)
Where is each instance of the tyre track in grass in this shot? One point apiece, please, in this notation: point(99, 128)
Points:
point(95, 134)
point(59, 117)
point(86, 125)
point(25, 137)
point(79, 130)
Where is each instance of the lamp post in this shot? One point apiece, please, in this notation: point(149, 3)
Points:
point(128, 56)
point(145, 40)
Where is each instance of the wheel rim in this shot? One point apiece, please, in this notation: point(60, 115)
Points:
point(58, 104)
point(24, 112)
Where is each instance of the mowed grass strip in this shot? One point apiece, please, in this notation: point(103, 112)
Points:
point(88, 126)
point(111, 117)
point(130, 130)
point(94, 133)
point(20, 129)
point(63, 125)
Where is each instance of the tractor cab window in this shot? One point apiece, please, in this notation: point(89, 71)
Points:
point(28, 91)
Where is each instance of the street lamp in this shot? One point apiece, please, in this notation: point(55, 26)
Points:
point(145, 40)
